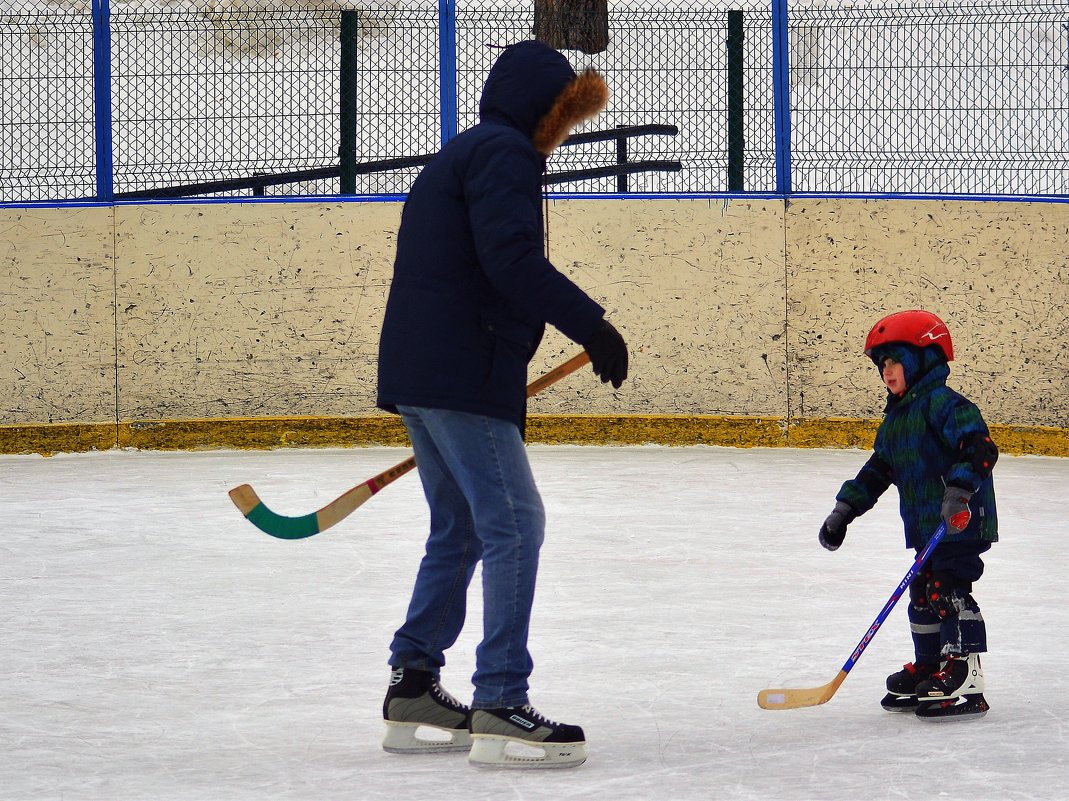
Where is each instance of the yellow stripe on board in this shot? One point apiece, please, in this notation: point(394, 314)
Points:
point(259, 433)
point(50, 438)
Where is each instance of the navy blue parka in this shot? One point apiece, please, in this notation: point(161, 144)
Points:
point(472, 291)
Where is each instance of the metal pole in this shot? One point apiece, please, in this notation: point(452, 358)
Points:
point(736, 109)
point(101, 13)
point(447, 68)
point(347, 91)
point(781, 96)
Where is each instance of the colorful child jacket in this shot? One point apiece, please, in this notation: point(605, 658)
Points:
point(928, 440)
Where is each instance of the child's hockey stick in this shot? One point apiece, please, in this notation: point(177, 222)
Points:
point(793, 699)
point(296, 528)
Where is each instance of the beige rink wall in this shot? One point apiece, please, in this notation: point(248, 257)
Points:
point(256, 324)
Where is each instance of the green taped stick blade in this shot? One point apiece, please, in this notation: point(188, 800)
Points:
point(285, 528)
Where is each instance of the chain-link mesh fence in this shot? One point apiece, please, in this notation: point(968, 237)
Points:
point(298, 97)
point(47, 141)
point(221, 92)
point(930, 97)
point(666, 63)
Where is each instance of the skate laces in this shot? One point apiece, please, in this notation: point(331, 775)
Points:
point(530, 710)
point(437, 689)
point(946, 673)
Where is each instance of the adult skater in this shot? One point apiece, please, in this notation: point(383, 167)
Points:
point(471, 294)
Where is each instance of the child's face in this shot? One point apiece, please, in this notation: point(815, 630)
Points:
point(894, 376)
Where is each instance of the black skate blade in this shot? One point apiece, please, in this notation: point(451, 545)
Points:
point(967, 707)
point(899, 703)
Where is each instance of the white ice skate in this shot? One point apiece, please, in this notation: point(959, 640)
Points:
point(419, 738)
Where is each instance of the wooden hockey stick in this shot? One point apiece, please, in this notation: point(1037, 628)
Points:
point(814, 696)
point(296, 528)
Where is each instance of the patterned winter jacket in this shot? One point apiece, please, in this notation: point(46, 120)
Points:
point(931, 437)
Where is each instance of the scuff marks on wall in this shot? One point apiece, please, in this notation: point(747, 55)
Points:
point(203, 312)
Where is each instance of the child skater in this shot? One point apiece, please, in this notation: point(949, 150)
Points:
point(934, 446)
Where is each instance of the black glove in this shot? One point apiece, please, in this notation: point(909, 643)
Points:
point(833, 532)
point(955, 509)
point(608, 354)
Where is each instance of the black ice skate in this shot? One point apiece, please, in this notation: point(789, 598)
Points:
point(966, 707)
point(902, 686)
point(521, 737)
point(421, 717)
point(955, 692)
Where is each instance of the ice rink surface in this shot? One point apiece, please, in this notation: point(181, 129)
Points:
point(155, 646)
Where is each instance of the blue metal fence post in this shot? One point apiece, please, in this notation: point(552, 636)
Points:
point(447, 67)
point(102, 99)
point(781, 87)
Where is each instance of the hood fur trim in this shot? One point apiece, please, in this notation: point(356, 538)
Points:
point(583, 98)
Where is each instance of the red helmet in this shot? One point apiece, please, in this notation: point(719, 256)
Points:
point(914, 327)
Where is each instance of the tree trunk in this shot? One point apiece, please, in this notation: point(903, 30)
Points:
point(572, 24)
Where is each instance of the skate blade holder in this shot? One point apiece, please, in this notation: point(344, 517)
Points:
point(505, 752)
point(417, 738)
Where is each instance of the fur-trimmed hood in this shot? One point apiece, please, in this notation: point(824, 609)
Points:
point(532, 87)
point(472, 289)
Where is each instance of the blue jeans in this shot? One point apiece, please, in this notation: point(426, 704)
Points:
point(484, 505)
